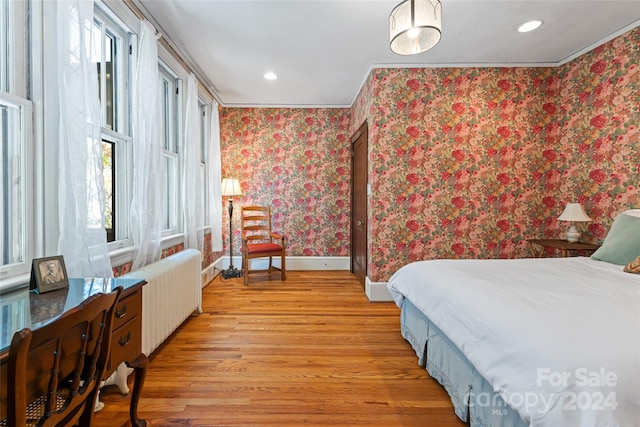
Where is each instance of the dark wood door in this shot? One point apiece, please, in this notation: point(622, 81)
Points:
point(359, 173)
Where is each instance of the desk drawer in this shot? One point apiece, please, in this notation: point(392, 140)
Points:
point(126, 343)
point(128, 306)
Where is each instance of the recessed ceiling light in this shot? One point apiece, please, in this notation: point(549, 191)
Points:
point(270, 76)
point(529, 26)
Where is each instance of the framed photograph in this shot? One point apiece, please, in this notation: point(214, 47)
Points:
point(48, 274)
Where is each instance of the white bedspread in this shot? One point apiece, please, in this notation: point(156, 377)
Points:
point(558, 338)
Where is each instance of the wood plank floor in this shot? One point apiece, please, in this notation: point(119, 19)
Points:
point(310, 350)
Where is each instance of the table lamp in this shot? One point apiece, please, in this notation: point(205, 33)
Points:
point(573, 212)
point(231, 188)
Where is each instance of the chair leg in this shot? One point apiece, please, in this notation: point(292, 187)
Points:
point(270, 264)
point(282, 269)
point(245, 269)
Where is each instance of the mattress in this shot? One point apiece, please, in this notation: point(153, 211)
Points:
point(558, 339)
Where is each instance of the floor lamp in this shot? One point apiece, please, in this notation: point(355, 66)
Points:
point(231, 188)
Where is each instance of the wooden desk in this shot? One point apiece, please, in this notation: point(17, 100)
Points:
point(538, 247)
point(23, 309)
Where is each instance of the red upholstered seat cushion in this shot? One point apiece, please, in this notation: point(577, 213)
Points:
point(263, 248)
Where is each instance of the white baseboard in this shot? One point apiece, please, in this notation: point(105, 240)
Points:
point(208, 274)
point(294, 263)
point(376, 291)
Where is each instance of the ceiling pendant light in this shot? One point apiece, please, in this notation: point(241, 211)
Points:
point(415, 26)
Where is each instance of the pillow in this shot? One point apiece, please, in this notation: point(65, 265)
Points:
point(633, 266)
point(622, 244)
point(632, 212)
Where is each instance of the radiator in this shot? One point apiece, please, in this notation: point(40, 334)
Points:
point(172, 293)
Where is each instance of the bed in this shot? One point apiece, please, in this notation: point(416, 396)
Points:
point(529, 342)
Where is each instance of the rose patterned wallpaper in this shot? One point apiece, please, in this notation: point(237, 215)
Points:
point(469, 163)
point(598, 116)
point(125, 268)
point(463, 163)
point(208, 256)
point(298, 162)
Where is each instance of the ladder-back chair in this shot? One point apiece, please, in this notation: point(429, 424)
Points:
point(258, 240)
point(55, 371)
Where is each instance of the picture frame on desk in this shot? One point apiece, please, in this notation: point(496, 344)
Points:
point(48, 274)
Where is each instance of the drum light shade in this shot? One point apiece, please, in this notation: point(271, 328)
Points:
point(415, 26)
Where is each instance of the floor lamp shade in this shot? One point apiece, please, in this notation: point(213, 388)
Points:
point(231, 187)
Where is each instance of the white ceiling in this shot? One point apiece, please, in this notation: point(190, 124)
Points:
point(323, 50)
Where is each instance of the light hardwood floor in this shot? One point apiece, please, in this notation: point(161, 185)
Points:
point(310, 350)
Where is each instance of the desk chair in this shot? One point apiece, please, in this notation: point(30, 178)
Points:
point(55, 371)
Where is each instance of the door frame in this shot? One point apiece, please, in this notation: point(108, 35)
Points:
point(363, 129)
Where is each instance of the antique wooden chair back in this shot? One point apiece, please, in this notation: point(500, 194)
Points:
point(55, 371)
point(258, 240)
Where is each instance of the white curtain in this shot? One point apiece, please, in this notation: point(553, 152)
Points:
point(191, 182)
point(146, 214)
point(215, 180)
point(83, 239)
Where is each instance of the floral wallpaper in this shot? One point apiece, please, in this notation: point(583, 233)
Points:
point(598, 115)
point(463, 162)
point(298, 162)
point(469, 163)
point(125, 268)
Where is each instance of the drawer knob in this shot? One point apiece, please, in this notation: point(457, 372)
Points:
point(124, 341)
point(121, 313)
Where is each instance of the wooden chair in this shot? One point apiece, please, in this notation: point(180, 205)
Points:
point(55, 371)
point(257, 240)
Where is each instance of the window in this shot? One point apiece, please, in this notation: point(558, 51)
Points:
point(204, 137)
point(16, 158)
point(13, 53)
point(170, 106)
point(111, 55)
point(15, 128)
point(4, 46)
point(15, 182)
point(109, 176)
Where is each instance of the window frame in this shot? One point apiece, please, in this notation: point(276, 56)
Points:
point(14, 93)
point(124, 39)
point(120, 136)
point(204, 109)
point(13, 41)
point(123, 158)
point(171, 133)
point(13, 270)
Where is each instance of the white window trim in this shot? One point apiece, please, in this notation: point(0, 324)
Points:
point(124, 165)
point(126, 49)
point(16, 65)
point(123, 72)
point(175, 152)
point(204, 107)
point(11, 271)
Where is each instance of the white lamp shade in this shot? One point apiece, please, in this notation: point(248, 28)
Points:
point(574, 212)
point(415, 26)
point(231, 187)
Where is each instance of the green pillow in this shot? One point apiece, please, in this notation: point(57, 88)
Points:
point(622, 244)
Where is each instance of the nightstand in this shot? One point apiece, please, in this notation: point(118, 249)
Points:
point(538, 247)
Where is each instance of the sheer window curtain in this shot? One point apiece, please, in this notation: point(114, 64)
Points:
point(192, 202)
point(148, 175)
point(215, 180)
point(82, 240)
